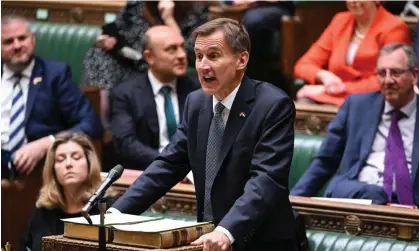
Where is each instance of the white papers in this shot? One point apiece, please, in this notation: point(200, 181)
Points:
point(112, 219)
point(158, 226)
point(355, 201)
point(190, 177)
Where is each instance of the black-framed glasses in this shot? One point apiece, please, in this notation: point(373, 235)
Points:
point(394, 72)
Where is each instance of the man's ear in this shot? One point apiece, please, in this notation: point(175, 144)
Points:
point(242, 60)
point(148, 57)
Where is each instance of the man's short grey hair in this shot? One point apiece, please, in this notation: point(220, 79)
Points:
point(11, 18)
point(412, 60)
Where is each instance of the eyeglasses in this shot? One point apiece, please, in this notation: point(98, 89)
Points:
point(394, 72)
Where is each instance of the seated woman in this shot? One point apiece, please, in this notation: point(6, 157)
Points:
point(343, 60)
point(71, 175)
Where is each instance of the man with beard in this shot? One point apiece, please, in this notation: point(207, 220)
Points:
point(146, 109)
point(38, 100)
point(369, 144)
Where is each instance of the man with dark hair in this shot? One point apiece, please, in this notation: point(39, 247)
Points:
point(237, 138)
point(146, 109)
point(369, 145)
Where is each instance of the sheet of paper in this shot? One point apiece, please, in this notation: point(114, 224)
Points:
point(113, 219)
point(356, 201)
point(190, 177)
point(158, 226)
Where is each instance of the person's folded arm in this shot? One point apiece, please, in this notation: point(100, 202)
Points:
point(316, 58)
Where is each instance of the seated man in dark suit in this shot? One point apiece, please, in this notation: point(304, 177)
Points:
point(38, 100)
point(146, 109)
point(369, 147)
point(236, 136)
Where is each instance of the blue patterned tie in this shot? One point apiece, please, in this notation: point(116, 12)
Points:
point(169, 112)
point(17, 118)
point(215, 137)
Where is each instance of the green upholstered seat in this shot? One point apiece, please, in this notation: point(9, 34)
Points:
point(68, 43)
point(305, 147)
point(328, 241)
point(65, 42)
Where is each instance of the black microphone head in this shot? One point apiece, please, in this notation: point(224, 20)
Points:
point(116, 172)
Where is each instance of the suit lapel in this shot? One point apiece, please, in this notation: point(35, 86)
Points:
point(146, 96)
point(238, 113)
point(35, 83)
point(415, 157)
point(372, 120)
point(204, 122)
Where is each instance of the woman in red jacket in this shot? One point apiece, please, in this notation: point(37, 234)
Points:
point(343, 60)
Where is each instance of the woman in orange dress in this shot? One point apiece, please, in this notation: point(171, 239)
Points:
point(343, 60)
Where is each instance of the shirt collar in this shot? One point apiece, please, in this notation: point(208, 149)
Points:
point(227, 101)
point(408, 109)
point(27, 72)
point(156, 85)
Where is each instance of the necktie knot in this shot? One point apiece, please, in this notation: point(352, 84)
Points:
point(218, 109)
point(166, 90)
point(396, 115)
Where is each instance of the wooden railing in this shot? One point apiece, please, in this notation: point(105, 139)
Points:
point(350, 218)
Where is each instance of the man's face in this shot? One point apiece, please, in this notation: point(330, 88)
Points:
point(168, 55)
point(217, 65)
point(396, 78)
point(17, 44)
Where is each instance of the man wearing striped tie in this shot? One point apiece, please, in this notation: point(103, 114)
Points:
point(38, 99)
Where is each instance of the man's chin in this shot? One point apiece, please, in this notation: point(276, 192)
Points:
point(20, 63)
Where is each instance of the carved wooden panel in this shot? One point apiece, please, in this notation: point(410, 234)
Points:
point(60, 243)
point(313, 119)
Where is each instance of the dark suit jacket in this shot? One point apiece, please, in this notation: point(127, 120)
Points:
point(56, 103)
point(250, 192)
point(135, 126)
point(347, 145)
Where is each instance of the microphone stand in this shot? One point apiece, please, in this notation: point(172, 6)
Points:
point(102, 228)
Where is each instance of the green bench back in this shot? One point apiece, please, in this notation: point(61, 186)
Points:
point(65, 42)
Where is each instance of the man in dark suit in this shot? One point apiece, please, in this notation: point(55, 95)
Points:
point(369, 145)
point(237, 138)
point(146, 109)
point(38, 100)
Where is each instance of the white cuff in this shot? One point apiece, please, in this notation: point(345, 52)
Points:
point(226, 232)
point(113, 210)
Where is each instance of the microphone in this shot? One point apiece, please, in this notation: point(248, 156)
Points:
point(113, 175)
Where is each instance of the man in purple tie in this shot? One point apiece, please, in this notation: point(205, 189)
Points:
point(369, 147)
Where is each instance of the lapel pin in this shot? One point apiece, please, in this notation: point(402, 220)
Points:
point(242, 114)
point(37, 80)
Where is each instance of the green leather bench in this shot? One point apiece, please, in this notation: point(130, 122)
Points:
point(68, 43)
point(65, 42)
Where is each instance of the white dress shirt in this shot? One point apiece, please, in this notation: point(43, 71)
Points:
point(373, 171)
point(6, 92)
point(156, 85)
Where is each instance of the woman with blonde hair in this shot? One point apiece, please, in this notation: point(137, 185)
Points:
point(70, 177)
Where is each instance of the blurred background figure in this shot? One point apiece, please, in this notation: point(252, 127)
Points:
point(343, 60)
point(70, 177)
point(106, 68)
